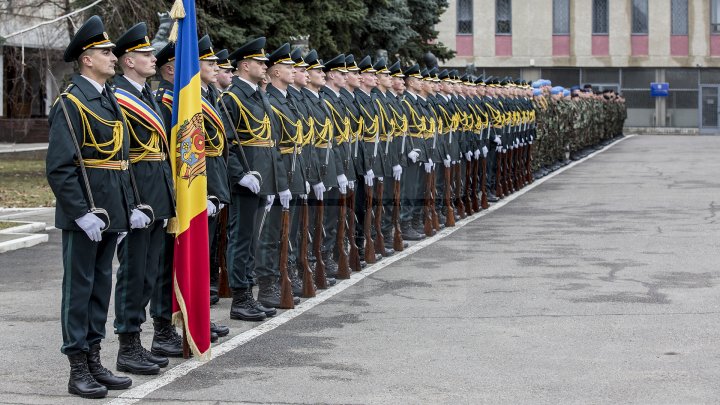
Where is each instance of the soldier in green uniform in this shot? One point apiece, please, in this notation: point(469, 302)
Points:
point(94, 203)
point(140, 251)
point(225, 74)
point(255, 170)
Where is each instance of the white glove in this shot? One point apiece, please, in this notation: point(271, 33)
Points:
point(531, 138)
point(447, 162)
point(285, 197)
point(221, 206)
point(319, 189)
point(429, 166)
point(269, 202)
point(498, 149)
point(369, 176)
point(414, 155)
point(397, 172)
point(342, 183)
point(485, 151)
point(504, 150)
point(91, 225)
point(477, 154)
point(498, 140)
point(121, 236)
point(379, 178)
point(351, 184)
point(165, 222)
point(468, 156)
point(250, 182)
point(307, 187)
point(138, 219)
point(211, 209)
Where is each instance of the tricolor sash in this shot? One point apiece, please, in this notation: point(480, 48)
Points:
point(210, 112)
point(141, 110)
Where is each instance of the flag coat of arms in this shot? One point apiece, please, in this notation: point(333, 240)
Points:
point(191, 273)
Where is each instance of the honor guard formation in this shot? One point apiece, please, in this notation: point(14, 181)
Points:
point(315, 168)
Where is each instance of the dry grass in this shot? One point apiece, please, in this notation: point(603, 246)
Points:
point(23, 184)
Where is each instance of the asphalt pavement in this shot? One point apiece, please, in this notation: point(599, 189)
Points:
point(598, 285)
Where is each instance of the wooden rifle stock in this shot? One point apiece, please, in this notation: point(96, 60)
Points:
point(320, 280)
point(223, 284)
point(458, 190)
point(379, 237)
point(343, 271)
point(397, 234)
point(433, 194)
point(429, 205)
point(474, 187)
point(308, 285)
point(498, 174)
point(468, 182)
point(507, 181)
point(528, 165)
point(286, 295)
point(367, 226)
point(450, 219)
point(354, 255)
point(483, 184)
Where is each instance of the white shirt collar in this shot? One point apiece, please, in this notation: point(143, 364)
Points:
point(99, 87)
point(314, 93)
point(413, 95)
point(135, 84)
point(251, 84)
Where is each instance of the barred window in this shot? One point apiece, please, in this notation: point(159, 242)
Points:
point(640, 16)
point(715, 17)
point(465, 17)
point(561, 17)
point(503, 17)
point(679, 15)
point(600, 17)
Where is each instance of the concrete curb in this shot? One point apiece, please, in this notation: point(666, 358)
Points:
point(23, 241)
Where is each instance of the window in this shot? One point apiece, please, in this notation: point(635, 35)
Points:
point(600, 17)
point(640, 17)
point(679, 14)
point(715, 17)
point(561, 17)
point(465, 17)
point(503, 17)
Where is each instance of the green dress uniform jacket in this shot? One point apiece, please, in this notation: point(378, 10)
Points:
point(111, 189)
point(287, 117)
point(216, 151)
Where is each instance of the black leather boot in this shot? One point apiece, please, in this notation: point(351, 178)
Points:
point(409, 233)
point(103, 375)
point(81, 382)
point(220, 330)
point(331, 266)
point(166, 341)
point(295, 281)
point(268, 292)
point(161, 361)
point(130, 358)
point(268, 311)
point(243, 308)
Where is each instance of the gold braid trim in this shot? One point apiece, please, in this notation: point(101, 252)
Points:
point(115, 144)
point(262, 133)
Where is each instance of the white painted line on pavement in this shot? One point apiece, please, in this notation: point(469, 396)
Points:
point(138, 393)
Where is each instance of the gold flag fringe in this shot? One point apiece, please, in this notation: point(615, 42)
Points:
point(177, 12)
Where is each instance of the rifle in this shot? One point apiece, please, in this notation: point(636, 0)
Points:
point(458, 189)
point(367, 226)
point(474, 187)
point(343, 271)
point(354, 255)
point(498, 173)
point(379, 238)
point(320, 280)
point(222, 235)
point(528, 165)
point(308, 286)
point(433, 211)
point(397, 235)
point(468, 182)
point(427, 210)
point(483, 184)
point(450, 219)
point(286, 295)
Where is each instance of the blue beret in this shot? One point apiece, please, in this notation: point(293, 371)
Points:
point(536, 84)
point(537, 92)
point(566, 93)
point(556, 90)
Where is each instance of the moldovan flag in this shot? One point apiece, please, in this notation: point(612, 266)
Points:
point(191, 273)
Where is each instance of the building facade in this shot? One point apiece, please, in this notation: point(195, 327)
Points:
point(620, 44)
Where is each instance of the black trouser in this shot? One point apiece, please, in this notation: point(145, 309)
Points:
point(409, 191)
point(330, 220)
point(139, 254)
point(241, 234)
point(161, 300)
point(267, 250)
point(86, 288)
